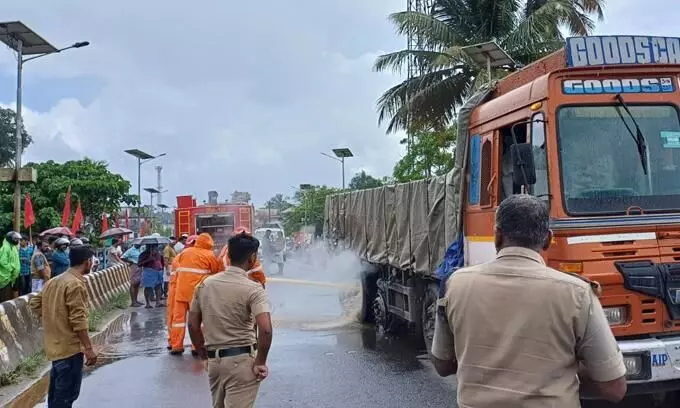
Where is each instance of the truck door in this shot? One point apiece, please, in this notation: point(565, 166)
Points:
point(482, 199)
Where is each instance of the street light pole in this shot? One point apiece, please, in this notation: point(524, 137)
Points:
point(342, 160)
point(139, 196)
point(142, 157)
point(340, 155)
point(18, 121)
point(25, 42)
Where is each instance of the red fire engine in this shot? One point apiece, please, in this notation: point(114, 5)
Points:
point(218, 220)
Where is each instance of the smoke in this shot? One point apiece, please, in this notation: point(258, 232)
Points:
point(320, 289)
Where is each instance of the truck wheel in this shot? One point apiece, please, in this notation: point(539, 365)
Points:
point(369, 291)
point(428, 315)
point(383, 321)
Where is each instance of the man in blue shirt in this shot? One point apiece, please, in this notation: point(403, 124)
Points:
point(60, 259)
point(23, 283)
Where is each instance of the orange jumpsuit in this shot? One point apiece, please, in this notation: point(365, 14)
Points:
point(171, 296)
point(194, 264)
point(256, 274)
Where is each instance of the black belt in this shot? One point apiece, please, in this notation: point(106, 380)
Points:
point(230, 352)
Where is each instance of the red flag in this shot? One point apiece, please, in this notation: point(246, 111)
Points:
point(77, 219)
point(67, 208)
point(127, 218)
point(29, 217)
point(115, 220)
point(142, 227)
point(105, 222)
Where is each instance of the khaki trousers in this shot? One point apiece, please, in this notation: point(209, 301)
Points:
point(232, 382)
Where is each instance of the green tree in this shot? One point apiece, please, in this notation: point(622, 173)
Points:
point(527, 30)
point(98, 189)
point(278, 202)
point(430, 154)
point(362, 181)
point(8, 144)
point(309, 209)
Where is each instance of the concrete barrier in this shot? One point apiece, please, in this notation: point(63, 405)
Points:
point(20, 332)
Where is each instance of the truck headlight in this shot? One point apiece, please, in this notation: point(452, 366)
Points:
point(616, 315)
point(633, 365)
point(638, 366)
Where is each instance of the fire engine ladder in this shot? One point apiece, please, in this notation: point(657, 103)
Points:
point(183, 222)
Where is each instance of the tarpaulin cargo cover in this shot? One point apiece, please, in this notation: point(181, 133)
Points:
point(408, 226)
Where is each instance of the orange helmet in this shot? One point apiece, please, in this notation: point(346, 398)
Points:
point(191, 240)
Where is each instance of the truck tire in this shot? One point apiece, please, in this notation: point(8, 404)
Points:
point(428, 315)
point(369, 290)
point(382, 317)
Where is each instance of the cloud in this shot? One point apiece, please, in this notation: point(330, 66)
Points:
point(241, 96)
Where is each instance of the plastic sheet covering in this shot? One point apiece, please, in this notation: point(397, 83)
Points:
point(436, 197)
point(376, 247)
point(391, 225)
point(361, 237)
point(419, 226)
point(414, 226)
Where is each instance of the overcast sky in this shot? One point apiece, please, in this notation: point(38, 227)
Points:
point(240, 96)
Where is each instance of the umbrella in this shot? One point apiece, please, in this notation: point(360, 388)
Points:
point(115, 232)
point(151, 240)
point(57, 231)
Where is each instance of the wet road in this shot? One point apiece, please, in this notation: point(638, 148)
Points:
point(319, 358)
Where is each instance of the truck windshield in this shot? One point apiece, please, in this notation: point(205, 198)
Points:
point(602, 172)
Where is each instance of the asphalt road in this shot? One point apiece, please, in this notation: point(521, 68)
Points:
point(319, 358)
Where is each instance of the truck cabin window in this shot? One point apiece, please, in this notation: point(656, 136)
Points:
point(509, 188)
point(605, 166)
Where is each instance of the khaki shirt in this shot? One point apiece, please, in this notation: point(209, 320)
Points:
point(518, 330)
point(62, 305)
point(229, 302)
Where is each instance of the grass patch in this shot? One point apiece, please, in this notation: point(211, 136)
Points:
point(27, 368)
point(94, 320)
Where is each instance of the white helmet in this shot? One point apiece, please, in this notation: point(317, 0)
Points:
point(61, 241)
point(76, 241)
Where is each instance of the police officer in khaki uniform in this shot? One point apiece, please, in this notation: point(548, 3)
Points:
point(230, 306)
point(520, 334)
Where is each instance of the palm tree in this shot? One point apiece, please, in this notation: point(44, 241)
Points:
point(526, 29)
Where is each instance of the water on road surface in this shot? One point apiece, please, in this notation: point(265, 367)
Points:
point(320, 357)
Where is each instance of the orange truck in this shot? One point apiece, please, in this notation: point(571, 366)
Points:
point(217, 219)
point(597, 127)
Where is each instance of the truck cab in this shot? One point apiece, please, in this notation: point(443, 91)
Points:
point(601, 146)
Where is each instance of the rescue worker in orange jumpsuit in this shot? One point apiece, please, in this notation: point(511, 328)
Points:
point(193, 265)
point(172, 284)
point(257, 273)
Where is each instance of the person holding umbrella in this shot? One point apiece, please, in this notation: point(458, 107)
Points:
point(131, 257)
point(151, 263)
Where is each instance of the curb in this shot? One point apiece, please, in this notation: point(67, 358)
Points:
point(33, 393)
point(20, 330)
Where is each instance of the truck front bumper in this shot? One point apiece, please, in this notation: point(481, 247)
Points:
point(653, 365)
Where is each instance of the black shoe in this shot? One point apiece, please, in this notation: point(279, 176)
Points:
point(194, 353)
point(176, 352)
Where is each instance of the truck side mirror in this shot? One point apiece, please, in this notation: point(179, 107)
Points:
point(523, 169)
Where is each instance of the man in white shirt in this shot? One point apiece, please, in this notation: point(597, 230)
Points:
point(179, 246)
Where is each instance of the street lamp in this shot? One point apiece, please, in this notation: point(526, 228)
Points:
point(340, 155)
point(25, 41)
point(303, 188)
point(142, 157)
point(151, 192)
